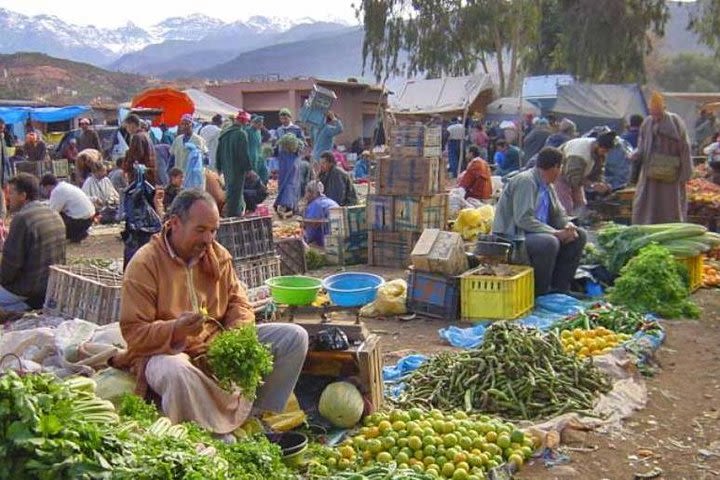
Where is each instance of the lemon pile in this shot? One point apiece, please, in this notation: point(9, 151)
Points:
point(585, 343)
point(456, 446)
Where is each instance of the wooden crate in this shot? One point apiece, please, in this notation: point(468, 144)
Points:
point(391, 249)
point(409, 176)
point(416, 140)
point(381, 212)
point(85, 292)
point(246, 237)
point(415, 214)
point(253, 272)
point(350, 250)
point(292, 256)
point(363, 362)
point(346, 221)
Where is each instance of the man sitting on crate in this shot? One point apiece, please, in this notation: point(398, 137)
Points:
point(337, 182)
point(166, 284)
point(36, 240)
point(529, 208)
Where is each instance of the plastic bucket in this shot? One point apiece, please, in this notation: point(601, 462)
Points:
point(293, 446)
point(352, 289)
point(293, 289)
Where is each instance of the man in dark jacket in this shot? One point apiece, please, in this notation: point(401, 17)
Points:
point(88, 138)
point(36, 240)
point(336, 183)
point(537, 137)
point(233, 161)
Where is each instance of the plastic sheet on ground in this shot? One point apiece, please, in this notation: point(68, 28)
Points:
point(63, 347)
point(548, 310)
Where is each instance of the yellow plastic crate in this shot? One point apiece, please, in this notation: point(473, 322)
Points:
point(695, 270)
point(484, 297)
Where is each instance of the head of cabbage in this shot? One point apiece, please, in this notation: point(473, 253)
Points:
point(341, 404)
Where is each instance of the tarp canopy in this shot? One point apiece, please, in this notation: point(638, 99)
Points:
point(41, 114)
point(510, 108)
point(542, 90)
point(440, 95)
point(589, 105)
point(207, 106)
point(173, 103)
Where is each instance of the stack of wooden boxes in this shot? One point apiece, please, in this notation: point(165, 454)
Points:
point(410, 187)
point(347, 243)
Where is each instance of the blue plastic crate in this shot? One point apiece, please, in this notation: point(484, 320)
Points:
point(433, 295)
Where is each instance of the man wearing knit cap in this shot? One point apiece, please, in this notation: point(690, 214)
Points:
point(537, 137)
point(663, 154)
point(89, 137)
point(185, 134)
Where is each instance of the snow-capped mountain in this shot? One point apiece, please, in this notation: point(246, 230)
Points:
point(104, 46)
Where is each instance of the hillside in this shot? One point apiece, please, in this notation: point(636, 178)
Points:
point(38, 76)
point(332, 57)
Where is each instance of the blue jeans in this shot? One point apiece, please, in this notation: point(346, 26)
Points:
point(453, 156)
point(11, 302)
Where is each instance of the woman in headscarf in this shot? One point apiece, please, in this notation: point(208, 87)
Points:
point(663, 154)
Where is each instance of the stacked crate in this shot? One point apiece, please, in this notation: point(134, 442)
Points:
point(347, 243)
point(410, 186)
point(250, 242)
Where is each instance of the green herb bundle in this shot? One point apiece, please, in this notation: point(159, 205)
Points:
point(652, 282)
point(239, 360)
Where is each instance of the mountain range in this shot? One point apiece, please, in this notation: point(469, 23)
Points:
point(200, 47)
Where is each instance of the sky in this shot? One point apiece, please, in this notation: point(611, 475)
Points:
point(114, 13)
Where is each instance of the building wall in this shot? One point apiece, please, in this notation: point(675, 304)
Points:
point(355, 105)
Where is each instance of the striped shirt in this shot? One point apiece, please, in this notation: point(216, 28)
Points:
point(36, 240)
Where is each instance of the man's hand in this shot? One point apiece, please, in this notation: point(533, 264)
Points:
point(188, 324)
point(600, 187)
point(567, 234)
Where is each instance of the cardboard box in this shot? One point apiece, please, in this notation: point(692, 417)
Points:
point(440, 252)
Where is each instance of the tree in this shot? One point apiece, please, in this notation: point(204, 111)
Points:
point(596, 40)
point(689, 72)
point(453, 37)
point(706, 23)
point(607, 41)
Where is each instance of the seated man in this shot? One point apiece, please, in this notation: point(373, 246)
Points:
point(362, 166)
point(255, 191)
point(507, 158)
point(317, 213)
point(99, 188)
point(166, 283)
point(36, 240)
point(477, 179)
point(529, 208)
point(75, 208)
point(337, 183)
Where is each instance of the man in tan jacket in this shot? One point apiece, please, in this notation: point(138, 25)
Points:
point(169, 280)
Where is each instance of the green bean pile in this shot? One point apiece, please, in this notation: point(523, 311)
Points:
point(517, 372)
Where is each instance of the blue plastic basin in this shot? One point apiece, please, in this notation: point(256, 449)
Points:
point(352, 289)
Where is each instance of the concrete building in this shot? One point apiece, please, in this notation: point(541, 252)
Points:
point(357, 103)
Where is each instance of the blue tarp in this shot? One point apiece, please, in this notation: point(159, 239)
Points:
point(41, 114)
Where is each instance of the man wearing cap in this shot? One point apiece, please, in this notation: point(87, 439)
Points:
point(289, 165)
point(185, 135)
point(88, 137)
point(583, 157)
point(233, 162)
point(663, 155)
point(537, 137)
point(254, 134)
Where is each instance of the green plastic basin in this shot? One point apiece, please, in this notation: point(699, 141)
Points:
point(293, 289)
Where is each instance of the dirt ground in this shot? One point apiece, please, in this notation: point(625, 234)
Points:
point(678, 432)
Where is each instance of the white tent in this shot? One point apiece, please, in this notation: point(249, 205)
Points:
point(440, 95)
point(206, 106)
point(511, 107)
